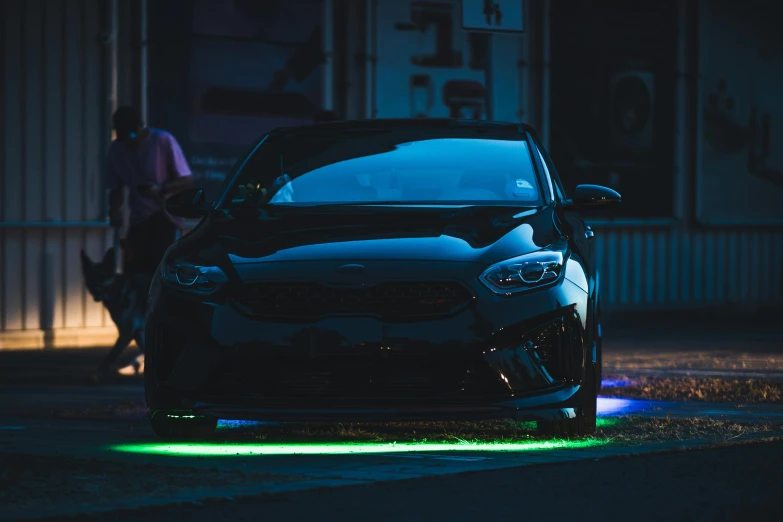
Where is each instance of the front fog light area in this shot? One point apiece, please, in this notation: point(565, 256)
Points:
point(193, 277)
point(187, 275)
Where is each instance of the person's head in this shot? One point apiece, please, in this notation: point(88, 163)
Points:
point(127, 123)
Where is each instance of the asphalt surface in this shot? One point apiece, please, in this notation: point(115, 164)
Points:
point(53, 425)
point(739, 483)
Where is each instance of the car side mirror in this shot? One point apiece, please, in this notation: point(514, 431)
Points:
point(188, 204)
point(590, 196)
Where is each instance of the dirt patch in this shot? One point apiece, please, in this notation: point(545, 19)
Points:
point(618, 430)
point(694, 389)
point(692, 360)
point(637, 430)
point(29, 482)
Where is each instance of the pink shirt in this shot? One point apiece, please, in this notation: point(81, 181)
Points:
point(157, 159)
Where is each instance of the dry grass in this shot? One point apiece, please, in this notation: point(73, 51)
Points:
point(637, 430)
point(692, 360)
point(617, 430)
point(391, 432)
point(697, 389)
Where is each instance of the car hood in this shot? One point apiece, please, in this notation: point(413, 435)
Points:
point(464, 234)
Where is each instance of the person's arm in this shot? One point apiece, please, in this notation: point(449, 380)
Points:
point(180, 177)
point(177, 185)
point(116, 191)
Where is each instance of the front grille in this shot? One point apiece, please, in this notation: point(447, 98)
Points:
point(355, 384)
point(388, 300)
point(361, 378)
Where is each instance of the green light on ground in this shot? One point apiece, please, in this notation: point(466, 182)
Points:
point(343, 448)
point(607, 422)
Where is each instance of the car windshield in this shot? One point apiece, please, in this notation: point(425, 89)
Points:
point(387, 167)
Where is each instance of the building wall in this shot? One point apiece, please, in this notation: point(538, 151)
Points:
point(740, 178)
point(411, 58)
point(55, 108)
point(723, 247)
point(673, 262)
point(665, 267)
point(55, 113)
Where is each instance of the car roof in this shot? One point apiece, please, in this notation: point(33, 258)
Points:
point(414, 124)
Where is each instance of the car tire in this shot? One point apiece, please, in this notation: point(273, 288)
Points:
point(168, 419)
point(584, 424)
point(598, 335)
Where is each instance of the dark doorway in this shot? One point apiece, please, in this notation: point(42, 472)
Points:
point(612, 104)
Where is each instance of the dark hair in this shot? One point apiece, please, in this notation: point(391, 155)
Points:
point(126, 117)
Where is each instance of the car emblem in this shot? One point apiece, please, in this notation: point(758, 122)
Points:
point(351, 269)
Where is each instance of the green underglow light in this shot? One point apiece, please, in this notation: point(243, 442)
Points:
point(345, 448)
point(607, 422)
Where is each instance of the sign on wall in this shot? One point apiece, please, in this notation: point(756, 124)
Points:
point(741, 177)
point(430, 67)
point(493, 15)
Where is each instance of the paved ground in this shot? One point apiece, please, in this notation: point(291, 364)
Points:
point(92, 457)
point(739, 483)
point(52, 424)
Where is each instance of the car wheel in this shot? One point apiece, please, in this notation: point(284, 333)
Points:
point(598, 349)
point(584, 423)
point(168, 419)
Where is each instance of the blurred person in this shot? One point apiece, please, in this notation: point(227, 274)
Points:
point(149, 163)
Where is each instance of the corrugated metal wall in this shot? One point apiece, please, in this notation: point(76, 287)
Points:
point(667, 267)
point(55, 127)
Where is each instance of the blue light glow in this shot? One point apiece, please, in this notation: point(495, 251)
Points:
point(608, 406)
point(615, 383)
point(244, 424)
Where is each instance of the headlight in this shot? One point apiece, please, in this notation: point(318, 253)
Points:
point(194, 278)
point(525, 272)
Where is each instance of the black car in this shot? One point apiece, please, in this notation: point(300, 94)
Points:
point(380, 270)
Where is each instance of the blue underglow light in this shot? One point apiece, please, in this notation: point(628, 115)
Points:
point(615, 383)
point(610, 406)
point(244, 424)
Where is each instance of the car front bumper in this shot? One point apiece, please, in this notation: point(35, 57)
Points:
point(519, 357)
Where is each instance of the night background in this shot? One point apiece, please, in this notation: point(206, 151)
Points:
point(676, 105)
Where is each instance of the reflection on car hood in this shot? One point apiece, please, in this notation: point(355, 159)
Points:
point(473, 234)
